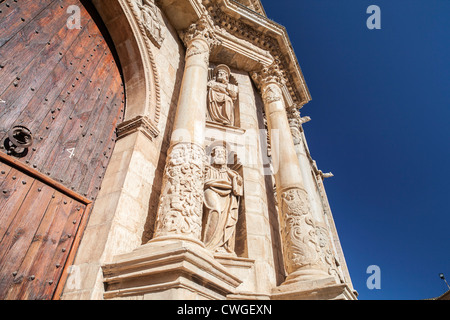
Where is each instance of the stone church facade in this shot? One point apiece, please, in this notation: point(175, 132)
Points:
point(154, 149)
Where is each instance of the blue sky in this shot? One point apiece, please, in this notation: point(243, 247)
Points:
point(380, 114)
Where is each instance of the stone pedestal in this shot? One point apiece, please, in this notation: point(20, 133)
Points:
point(168, 269)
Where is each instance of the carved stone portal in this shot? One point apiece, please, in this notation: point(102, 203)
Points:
point(223, 188)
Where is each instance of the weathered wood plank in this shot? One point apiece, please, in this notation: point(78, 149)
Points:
point(13, 191)
point(52, 128)
point(16, 15)
point(99, 156)
point(33, 76)
point(75, 132)
point(26, 44)
point(20, 234)
point(66, 240)
point(41, 103)
point(76, 102)
point(4, 171)
point(29, 274)
point(92, 139)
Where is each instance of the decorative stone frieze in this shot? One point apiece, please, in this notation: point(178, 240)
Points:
point(249, 29)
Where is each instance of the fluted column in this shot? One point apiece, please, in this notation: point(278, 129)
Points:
point(180, 209)
point(301, 250)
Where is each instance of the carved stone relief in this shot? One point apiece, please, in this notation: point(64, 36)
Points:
point(223, 189)
point(222, 96)
point(180, 209)
point(152, 21)
point(298, 231)
point(306, 243)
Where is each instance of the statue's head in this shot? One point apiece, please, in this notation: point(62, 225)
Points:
point(222, 73)
point(219, 153)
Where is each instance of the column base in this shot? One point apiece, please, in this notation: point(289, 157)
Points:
point(308, 275)
point(168, 269)
point(325, 289)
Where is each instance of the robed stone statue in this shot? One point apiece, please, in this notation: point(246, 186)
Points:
point(223, 188)
point(221, 97)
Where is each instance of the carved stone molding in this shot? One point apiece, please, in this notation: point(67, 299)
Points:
point(180, 209)
point(254, 5)
point(271, 93)
point(139, 123)
point(326, 253)
point(145, 42)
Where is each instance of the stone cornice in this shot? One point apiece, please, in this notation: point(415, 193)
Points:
point(139, 123)
point(265, 34)
point(256, 39)
point(254, 5)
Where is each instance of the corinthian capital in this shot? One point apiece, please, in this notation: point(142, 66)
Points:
point(200, 30)
point(268, 75)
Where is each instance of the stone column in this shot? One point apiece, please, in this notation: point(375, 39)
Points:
point(180, 210)
point(317, 208)
point(300, 243)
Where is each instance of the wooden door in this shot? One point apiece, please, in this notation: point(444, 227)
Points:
point(39, 221)
point(61, 88)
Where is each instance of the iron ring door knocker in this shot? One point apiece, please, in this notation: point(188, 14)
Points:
point(19, 140)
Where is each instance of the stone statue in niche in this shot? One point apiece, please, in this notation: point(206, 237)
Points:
point(152, 21)
point(222, 95)
point(223, 188)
